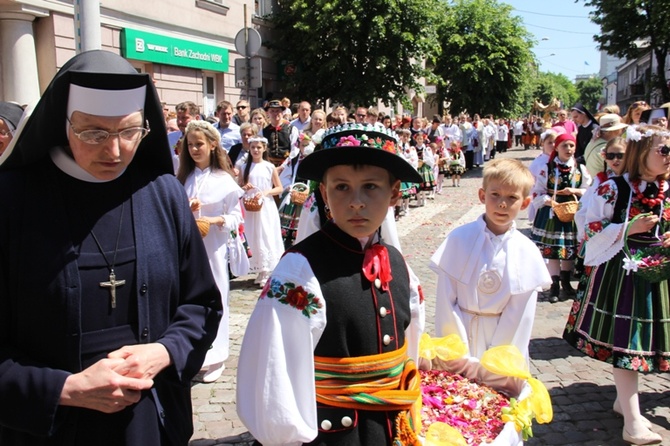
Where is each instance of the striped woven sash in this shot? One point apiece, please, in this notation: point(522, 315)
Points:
point(384, 382)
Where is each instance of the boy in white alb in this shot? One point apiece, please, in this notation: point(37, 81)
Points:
point(488, 272)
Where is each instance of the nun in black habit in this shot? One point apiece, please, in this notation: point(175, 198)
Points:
point(107, 302)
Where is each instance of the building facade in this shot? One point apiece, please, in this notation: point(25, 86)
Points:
point(188, 46)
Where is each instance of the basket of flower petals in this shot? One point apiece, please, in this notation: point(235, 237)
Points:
point(651, 262)
point(467, 401)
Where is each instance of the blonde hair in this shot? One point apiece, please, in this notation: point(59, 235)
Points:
point(548, 134)
point(510, 172)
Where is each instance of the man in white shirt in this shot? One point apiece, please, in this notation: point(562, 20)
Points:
point(518, 131)
point(303, 119)
point(230, 132)
point(502, 133)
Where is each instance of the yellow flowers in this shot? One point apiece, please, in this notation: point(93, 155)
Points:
point(521, 414)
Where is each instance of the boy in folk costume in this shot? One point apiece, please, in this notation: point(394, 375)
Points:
point(488, 296)
point(342, 310)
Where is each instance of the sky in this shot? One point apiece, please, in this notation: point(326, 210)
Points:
point(563, 35)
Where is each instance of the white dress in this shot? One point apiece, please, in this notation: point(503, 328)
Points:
point(487, 287)
point(536, 167)
point(262, 228)
point(219, 195)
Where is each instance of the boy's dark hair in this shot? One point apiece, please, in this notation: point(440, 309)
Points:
point(392, 178)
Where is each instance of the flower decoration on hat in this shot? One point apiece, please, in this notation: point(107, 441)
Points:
point(348, 141)
point(360, 135)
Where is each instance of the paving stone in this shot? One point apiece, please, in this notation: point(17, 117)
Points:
point(581, 388)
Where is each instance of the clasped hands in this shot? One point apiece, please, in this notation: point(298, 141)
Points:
point(116, 382)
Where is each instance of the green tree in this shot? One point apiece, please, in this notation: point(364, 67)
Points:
point(356, 51)
point(629, 27)
point(553, 85)
point(590, 92)
point(485, 59)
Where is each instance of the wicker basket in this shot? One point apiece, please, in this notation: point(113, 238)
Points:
point(652, 262)
point(566, 211)
point(299, 193)
point(203, 226)
point(253, 200)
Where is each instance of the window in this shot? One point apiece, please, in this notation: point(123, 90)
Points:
point(217, 6)
point(208, 93)
point(262, 8)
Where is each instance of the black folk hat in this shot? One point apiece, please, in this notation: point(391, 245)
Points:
point(275, 103)
point(358, 144)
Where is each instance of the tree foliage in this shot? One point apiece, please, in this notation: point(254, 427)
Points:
point(590, 92)
point(629, 27)
point(356, 51)
point(485, 59)
point(553, 85)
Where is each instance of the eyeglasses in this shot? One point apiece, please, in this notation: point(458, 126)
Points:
point(638, 104)
point(613, 156)
point(241, 107)
point(4, 132)
point(361, 115)
point(98, 136)
point(664, 151)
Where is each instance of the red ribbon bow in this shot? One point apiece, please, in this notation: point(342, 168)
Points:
point(376, 265)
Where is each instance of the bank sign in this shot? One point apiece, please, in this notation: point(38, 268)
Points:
point(140, 45)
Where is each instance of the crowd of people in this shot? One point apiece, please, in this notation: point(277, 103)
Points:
point(148, 226)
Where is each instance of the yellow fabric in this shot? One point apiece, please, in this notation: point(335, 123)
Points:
point(445, 348)
point(507, 360)
point(441, 434)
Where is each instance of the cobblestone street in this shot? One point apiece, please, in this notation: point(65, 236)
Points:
point(582, 389)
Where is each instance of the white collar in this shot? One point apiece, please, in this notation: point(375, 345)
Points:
point(68, 165)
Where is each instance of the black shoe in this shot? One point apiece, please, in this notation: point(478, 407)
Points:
point(565, 284)
point(555, 289)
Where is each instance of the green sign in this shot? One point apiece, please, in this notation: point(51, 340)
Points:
point(150, 47)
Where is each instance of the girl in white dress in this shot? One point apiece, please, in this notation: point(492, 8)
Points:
point(207, 176)
point(260, 178)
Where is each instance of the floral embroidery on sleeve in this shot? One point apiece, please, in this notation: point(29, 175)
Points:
point(605, 190)
point(288, 294)
point(595, 227)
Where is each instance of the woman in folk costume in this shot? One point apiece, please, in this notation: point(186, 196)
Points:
point(106, 315)
point(407, 151)
point(456, 164)
point(207, 176)
point(342, 310)
point(426, 163)
point(289, 209)
point(557, 240)
point(623, 317)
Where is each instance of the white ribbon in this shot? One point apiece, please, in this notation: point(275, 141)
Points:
point(629, 265)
